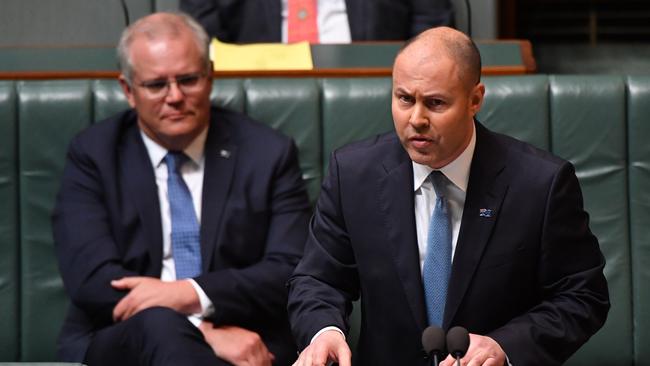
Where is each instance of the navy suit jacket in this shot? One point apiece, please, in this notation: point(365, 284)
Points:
point(246, 21)
point(528, 273)
point(255, 213)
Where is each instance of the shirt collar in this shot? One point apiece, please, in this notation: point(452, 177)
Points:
point(194, 150)
point(457, 171)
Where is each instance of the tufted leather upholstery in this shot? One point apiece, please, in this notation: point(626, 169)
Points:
point(638, 130)
point(597, 122)
point(9, 244)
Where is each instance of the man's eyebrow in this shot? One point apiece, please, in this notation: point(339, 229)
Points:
point(434, 95)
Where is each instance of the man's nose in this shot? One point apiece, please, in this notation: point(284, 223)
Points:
point(174, 93)
point(419, 118)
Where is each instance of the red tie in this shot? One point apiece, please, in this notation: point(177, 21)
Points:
point(301, 24)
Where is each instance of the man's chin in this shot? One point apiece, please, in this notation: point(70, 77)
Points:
point(421, 159)
point(429, 160)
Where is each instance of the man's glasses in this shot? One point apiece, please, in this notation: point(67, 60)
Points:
point(188, 84)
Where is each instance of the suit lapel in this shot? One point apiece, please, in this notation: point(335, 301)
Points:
point(140, 186)
point(401, 232)
point(220, 158)
point(485, 193)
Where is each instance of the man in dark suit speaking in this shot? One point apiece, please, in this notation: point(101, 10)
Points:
point(177, 224)
point(445, 223)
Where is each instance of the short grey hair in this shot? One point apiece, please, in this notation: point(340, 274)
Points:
point(162, 24)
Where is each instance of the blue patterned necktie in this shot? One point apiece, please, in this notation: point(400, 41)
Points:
point(437, 264)
point(185, 227)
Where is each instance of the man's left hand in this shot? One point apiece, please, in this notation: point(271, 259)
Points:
point(147, 292)
point(482, 351)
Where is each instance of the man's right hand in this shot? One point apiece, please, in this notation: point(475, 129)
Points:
point(328, 346)
point(239, 346)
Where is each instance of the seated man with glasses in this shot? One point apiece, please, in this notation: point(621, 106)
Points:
point(177, 223)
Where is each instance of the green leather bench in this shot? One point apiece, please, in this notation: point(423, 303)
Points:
point(597, 122)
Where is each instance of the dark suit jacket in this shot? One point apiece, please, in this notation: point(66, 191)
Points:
point(530, 276)
point(246, 21)
point(255, 213)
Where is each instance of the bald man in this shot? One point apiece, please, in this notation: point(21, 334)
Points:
point(178, 223)
point(443, 222)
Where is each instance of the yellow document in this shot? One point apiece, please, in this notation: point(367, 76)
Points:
point(260, 56)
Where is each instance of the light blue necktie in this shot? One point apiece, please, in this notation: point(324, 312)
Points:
point(185, 227)
point(437, 264)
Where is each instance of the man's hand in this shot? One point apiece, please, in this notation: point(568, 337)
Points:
point(237, 345)
point(147, 292)
point(328, 346)
point(482, 351)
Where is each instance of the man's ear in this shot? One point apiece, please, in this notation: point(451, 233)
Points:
point(210, 69)
point(476, 97)
point(210, 72)
point(128, 90)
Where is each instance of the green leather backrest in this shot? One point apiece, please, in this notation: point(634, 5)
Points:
point(638, 131)
point(8, 225)
point(291, 106)
point(518, 106)
point(589, 129)
point(51, 112)
point(108, 99)
point(228, 93)
point(597, 122)
point(354, 109)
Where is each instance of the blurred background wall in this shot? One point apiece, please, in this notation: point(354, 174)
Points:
point(69, 22)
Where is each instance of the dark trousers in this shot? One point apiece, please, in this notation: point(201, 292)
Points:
point(155, 336)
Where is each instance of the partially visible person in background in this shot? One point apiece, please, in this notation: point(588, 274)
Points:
point(317, 21)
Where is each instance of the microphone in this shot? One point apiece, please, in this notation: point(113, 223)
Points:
point(433, 341)
point(457, 343)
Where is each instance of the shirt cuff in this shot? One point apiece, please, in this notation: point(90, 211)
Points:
point(325, 330)
point(195, 319)
point(207, 308)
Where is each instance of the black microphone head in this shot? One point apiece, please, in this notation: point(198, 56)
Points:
point(457, 341)
point(433, 340)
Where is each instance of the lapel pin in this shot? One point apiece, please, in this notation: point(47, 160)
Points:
point(224, 153)
point(485, 212)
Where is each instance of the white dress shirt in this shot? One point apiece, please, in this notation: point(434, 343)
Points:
point(192, 173)
point(331, 19)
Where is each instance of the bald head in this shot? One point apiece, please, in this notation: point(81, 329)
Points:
point(445, 42)
point(160, 26)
